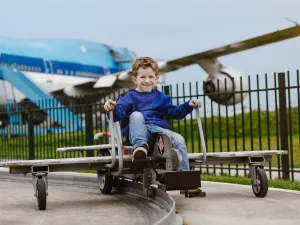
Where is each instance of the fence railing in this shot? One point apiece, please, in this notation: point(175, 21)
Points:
point(267, 119)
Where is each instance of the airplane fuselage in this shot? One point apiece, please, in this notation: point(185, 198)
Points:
point(54, 64)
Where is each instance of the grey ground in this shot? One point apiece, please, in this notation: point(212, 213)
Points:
point(236, 204)
point(69, 204)
point(72, 205)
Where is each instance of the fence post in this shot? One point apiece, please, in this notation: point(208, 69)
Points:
point(89, 124)
point(166, 90)
point(283, 125)
point(30, 132)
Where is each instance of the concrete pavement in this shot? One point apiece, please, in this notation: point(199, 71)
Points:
point(69, 204)
point(73, 205)
point(236, 204)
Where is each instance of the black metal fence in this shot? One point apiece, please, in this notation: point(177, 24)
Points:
point(268, 119)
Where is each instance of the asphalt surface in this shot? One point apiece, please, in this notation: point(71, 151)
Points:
point(70, 204)
point(73, 205)
point(236, 204)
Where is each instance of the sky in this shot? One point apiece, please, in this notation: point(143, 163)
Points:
point(164, 29)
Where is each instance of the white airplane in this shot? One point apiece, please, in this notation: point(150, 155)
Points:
point(76, 67)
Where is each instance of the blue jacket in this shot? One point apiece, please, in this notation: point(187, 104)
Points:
point(154, 105)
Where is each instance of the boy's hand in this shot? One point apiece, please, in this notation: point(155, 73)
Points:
point(195, 103)
point(109, 105)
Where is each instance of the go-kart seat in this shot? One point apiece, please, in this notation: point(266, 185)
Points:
point(128, 148)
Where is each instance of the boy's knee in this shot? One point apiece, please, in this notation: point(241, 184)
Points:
point(136, 116)
point(179, 140)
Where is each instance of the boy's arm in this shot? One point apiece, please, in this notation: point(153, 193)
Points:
point(121, 109)
point(177, 112)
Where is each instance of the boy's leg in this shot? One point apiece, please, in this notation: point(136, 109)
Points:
point(138, 135)
point(178, 142)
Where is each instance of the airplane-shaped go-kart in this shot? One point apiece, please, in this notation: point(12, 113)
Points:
point(162, 166)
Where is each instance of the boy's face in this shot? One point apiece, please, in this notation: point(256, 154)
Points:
point(145, 79)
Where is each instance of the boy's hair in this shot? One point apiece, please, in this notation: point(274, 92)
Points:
point(144, 62)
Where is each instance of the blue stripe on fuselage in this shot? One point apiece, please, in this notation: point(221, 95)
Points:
point(31, 64)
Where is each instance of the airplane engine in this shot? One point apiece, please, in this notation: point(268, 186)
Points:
point(226, 87)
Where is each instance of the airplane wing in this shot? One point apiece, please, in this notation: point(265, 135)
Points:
point(255, 42)
point(207, 59)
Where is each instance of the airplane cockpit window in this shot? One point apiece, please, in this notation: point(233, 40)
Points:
point(121, 54)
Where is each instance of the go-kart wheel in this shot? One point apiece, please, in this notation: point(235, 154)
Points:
point(41, 193)
point(105, 183)
point(104, 152)
point(202, 194)
point(186, 195)
point(260, 186)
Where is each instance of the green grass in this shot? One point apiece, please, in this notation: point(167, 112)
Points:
point(45, 146)
point(241, 135)
point(248, 124)
point(244, 133)
point(275, 183)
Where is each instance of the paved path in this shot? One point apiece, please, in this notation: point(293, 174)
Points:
point(236, 204)
point(68, 204)
point(72, 205)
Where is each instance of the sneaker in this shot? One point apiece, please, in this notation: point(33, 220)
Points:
point(140, 152)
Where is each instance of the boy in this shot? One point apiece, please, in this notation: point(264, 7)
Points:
point(141, 111)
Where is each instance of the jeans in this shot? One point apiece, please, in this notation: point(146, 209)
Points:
point(139, 133)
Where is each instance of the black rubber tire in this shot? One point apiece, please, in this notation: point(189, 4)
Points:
point(186, 195)
point(260, 190)
point(203, 194)
point(41, 194)
point(104, 152)
point(105, 183)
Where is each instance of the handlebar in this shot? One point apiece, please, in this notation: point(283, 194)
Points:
point(201, 136)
